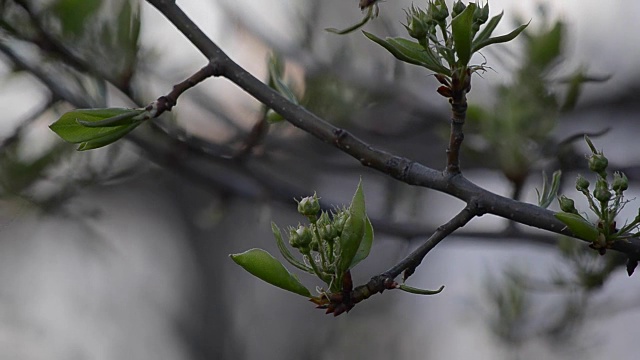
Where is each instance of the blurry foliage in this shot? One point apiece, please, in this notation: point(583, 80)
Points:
point(79, 45)
point(332, 98)
point(516, 131)
point(554, 310)
point(18, 174)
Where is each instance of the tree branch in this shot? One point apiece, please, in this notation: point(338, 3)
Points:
point(411, 262)
point(401, 168)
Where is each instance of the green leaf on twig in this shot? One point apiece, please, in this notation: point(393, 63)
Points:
point(353, 232)
point(411, 52)
point(264, 266)
point(578, 225)
point(94, 128)
point(461, 27)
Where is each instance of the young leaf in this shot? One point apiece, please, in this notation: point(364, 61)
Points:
point(549, 191)
point(578, 226)
point(498, 39)
point(410, 52)
point(371, 13)
point(365, 244)
point(461, 27)
point(488, 29)
point(275, 80)
point(107, 139)
point(353, 232)
point(413, 290)
point(265, 267)
point(114, 124)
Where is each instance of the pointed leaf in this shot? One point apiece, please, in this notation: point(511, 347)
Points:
point(461, 27)
point(285, 251)
point(353, 232)
point(410, 52)
point(413, 290)
point(365, 244)
point(370, 15)
point(488, 29)
point(578, 226)
point(126, 118)
point(499, 39)
point(108, 138)
point(68, 128)
point(265, 267)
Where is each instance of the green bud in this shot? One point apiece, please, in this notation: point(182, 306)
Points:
point(481, 15)
point(598, 163)
point(601, 191)
point(567, 205)
point(309, 206)
point(458, 7)
point(339, 219)
point(620, 182)
point(416, 29)
point(418, 23)
point(328, 233)
point(438, 11)
point(300, 238)
point(582, 184)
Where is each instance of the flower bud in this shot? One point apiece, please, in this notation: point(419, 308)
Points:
point(582, 184)
point(300, 238)
point(567, 205)
point(339, 220)
point(458, 7)
point(620, 182)
point(602, 192)
point(438, 11)
point(309, 206)
point(481, 15)
point(598, 163)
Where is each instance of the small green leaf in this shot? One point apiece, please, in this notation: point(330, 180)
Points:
point(285, 251)
point(413, 290)
point(273, 117)
point(411, 52)
point(365, 244)
point(265, 267)
point(461, 27)
point(488, 29)
point(354, 230)
point(549, 192)
point(275, 80)
point(499, 39)
point(107, 139)
point(370, 15)
point(578, 226)
point(127, 118)
point(79, 126)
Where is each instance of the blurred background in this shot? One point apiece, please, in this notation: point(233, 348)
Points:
point(122, 252)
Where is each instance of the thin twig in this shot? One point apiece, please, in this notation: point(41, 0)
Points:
point(409, 263)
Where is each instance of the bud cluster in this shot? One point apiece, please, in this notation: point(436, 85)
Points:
point(332, 243)
point(606, 200)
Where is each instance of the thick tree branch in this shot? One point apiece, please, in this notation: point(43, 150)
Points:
point(401, 168)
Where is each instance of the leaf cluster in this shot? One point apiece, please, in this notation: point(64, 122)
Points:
point(446, 40)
